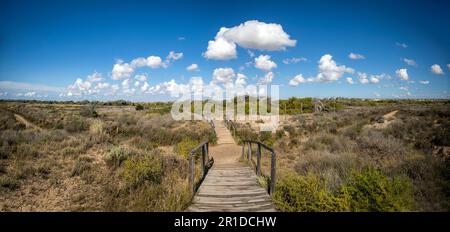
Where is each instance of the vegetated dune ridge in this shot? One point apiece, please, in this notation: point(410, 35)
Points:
point(114, 158)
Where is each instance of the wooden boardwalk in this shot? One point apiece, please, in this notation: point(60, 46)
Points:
point(230, 185)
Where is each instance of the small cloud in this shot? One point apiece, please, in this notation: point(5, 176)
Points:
point(402, 74)
point(141, 77)
point(30, 94)
point(424, 82)
point(267, 78)
point(181, 38)
point(436, 69)
point(294, 60)
point(410, 62)
point(349, 80)
point(192, 67)
point(402, 45)
point(174, 56)
point(448, 66)
point(355, 56)
point(250, 53)
point(264, 63)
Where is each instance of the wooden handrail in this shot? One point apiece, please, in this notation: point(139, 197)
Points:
point(205, 163)
point(258, 160)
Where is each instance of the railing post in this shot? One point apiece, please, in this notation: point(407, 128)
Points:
point(203, 160)
point(207, 152)
point(272, 173)
point(243, 145)
point(249, 151)
point(258, 160)
point(191, 172)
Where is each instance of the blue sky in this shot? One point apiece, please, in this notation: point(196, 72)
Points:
point(45, 46)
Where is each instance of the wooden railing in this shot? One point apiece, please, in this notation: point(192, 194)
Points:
point(248, 144)
point(231, 126)
point(205, 163)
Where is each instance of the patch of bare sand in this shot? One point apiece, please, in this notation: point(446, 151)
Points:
point(387, 119)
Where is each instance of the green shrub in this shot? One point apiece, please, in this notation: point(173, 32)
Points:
point(296, 193)
point(8, 182)
point(138, 169)
point(81, 166)
point(139, 107)
point(88, 111)
point(370, 190)
point(117, 155)
point(75, 124)
point(266, 138)
point(185, 147)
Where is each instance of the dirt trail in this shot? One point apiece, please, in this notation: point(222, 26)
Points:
point(387, 119)
point(27, 123)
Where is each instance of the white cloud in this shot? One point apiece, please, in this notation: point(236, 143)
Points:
point(181, 38)
point(362, 78)
point(424, 82)
point(297, 80)
point(220, 49)
point(174, 56)
point(141, 77)
point(30, 94)
point(79, 88)
point(267, 78)
point(355, 56)
point(404, 88)
point(402, 45)
point(223, 75)
point(264, 63)
point(402, 74)
point(252, 35)
point(374, 79)
point(436, 69)
point(448, 66)
point(137, 83)
point(192, 67)
point(329, 70)
point(349, 80)
point(144, 87)
point(95, 77)
point(121, 70)
point(294, 60)
point(250, 53)
point(409, 62)
point(125, 84)
point(151, 62)
point(101, 85)
point(241, 80)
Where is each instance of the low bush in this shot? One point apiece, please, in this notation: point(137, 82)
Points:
point(370, 190)
point(74, 124)
point(88, 111)
point(306, 193)
point(138, 169)
point(117, 155)
point(185, 147)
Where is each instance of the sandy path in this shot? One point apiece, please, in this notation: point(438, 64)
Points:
point(226, 151)
point(27, 123)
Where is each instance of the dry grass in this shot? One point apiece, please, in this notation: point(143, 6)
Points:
point(65, 166)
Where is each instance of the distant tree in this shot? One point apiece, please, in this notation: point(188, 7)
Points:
point(139, 107)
